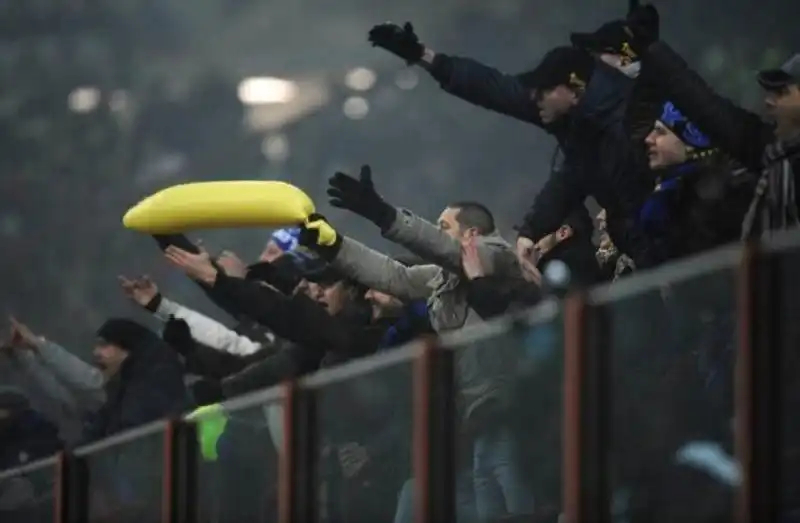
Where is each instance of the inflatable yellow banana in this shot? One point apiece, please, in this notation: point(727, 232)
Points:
point(214, 205)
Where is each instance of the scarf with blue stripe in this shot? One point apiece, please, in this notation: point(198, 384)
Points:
point(655, 213)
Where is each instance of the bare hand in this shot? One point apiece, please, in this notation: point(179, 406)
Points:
point(23, 337)
point(470, 260)
point(352, 458)
point(196, 266)
point(232, 264)
point(525, 247)
point(140, 290)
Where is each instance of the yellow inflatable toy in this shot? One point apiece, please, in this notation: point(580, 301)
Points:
point(214, 205)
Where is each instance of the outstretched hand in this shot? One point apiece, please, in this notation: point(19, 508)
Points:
point(196, 266)
point(140, 290)
point(400, 41)
point(359, 196)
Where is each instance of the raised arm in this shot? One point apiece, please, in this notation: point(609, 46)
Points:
point(465, 78)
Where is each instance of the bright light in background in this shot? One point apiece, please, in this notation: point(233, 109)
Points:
point(406, 79)
point(84, 99)
point(355, 108)
point(276, 148)
point(360, 79)
point(266, 90)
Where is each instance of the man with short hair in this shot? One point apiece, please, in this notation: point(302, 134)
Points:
point(484, 375)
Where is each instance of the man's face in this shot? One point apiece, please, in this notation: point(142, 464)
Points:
point(783, 106)
point(108, 357)
point(332, 296)
point(664, 148)
point(555, 102)
point(382, 303)
point(271, 252)
point(448, 223)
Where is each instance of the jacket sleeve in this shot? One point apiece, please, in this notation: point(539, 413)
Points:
point(434, 246)
point(485, 87)
point(559, 196)
point(380, 272)
point(291, 362)
point(211, 363)
point(83, 380)
point(737, 132)
point(206, 331)
point(294, 318)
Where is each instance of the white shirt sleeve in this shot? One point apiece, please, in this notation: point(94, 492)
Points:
point(207, 331)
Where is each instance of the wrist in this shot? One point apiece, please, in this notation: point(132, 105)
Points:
point(385, 216)
point(154, 303)
point(209, 277)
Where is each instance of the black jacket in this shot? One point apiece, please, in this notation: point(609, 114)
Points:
point(696, 207)
point(600, 159)
point(312, 337)
point(737, 132)
point(149, 386)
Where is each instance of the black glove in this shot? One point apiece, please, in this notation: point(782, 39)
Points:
point(318, 235)
point(400, 41)
point(644, 25)
point(359, 196)
point(176, 334)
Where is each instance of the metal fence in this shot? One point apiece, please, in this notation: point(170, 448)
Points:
point(601, 395)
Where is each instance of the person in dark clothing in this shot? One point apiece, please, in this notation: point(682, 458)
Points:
point(25, 435)
point(144, 379)
point(328, 323)
point(580, 100)
point(770, 149)
point(697, 203)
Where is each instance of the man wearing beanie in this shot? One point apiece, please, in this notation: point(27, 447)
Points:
point(144, 379)
point(697, 203)
point(770, 148)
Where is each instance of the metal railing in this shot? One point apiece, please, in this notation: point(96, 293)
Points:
point(598, 390)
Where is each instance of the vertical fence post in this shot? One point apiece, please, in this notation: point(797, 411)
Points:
point(758, 388)
point(297, 481)
point(434, 440)
point(62, 488)
point(585, 409)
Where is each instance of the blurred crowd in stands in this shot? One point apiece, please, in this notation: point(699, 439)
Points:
point(670, 168)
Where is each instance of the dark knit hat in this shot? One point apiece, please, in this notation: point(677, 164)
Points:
point(560, 66)
point(124, 333)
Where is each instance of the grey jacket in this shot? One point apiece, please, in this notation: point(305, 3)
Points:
point(482, 371)
point(69, 386)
